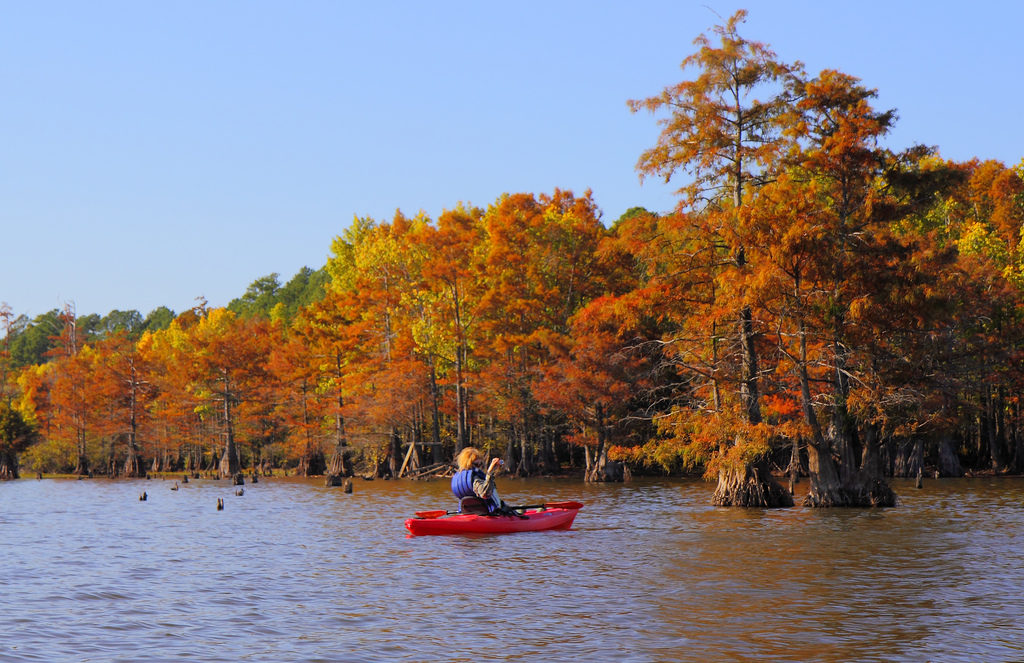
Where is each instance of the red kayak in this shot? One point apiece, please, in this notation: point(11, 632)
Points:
point(556, 515)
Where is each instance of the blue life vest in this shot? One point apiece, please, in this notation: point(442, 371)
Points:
point(462, 482)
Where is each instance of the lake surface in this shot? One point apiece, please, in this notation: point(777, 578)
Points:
point(293, 571)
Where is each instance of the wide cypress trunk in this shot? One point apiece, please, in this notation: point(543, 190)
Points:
point(229, 465)
point(909, 458)
point(949, 462)
point(134, 466)
point(751, 486)
point(868, 487)
point(826, 490)
point(8, 466)
point(858, 479)
point(313, 464)
point(394, 453)
point(339, 465)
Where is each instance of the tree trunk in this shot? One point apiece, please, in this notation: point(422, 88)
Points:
point(865, 489)
point(229, 465)
point(949, 463)
point(753, 486)
point(871, 488)
point(462, 434)
point(134, 465)
point(82, 467)
point(794, 465)
point(825, 489)
point(909, 458)
point(339, 465)
point(395, 452)
point(510, 446)
point(435, 421)
point(547, 459)
point(1018, 443)
point(8, 466)
point(595, 465)
point(523, 469)
point(992, 417)
point(748, 384)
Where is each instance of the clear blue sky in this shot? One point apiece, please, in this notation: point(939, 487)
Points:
point(154, 152)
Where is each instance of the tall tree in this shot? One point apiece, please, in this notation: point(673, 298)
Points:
point(453, 288)
point(838, 209)
point(730, 141)
point(131, 389)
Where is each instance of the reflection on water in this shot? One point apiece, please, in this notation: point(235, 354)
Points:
point(294, 571)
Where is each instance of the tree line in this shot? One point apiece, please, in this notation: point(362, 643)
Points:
point(816, 304)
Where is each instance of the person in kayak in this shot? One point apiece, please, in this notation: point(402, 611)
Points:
point(471, 480)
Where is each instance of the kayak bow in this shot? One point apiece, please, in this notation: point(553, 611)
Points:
point(465, 523)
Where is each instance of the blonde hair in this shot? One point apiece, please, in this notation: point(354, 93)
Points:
point(467, 457)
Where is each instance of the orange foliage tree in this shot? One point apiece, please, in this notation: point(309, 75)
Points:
point(730, 142)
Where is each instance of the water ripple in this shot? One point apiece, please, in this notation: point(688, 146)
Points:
point(292, 571)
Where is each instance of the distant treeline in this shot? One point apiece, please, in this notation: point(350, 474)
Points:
point(816, 305)
point(32, 341)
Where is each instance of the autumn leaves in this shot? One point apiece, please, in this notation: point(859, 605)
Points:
point(812, 290)
point(809, 274)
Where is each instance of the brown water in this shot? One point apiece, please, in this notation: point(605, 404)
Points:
point(292, 571)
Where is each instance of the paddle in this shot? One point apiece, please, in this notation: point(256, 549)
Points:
point(549, 505)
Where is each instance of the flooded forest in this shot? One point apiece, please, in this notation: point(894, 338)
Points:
point(817, 307)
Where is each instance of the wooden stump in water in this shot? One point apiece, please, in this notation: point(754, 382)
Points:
point(347, 486)
point(239, 479)
point(220, 504)
point(255, 478)
point(920, 478)
point(184, 478)
point(333, 480)
point(142, 497)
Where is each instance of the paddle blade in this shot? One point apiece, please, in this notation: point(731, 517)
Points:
point(564, 505)
point(431, 514)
